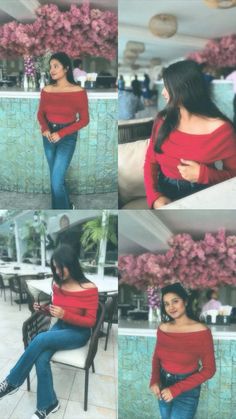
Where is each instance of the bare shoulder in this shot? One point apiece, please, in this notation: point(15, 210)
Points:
point(76, 88)
point(198, 327)
point(215, 123)
point(164, 327)
point(47, 88)
point(88, 285)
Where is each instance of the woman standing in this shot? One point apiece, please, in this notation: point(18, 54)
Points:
point(60, 103)
point(189, 136)
point(181, 343)
point(74, 304)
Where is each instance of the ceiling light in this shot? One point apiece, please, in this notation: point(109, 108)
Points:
point(139, 47)
point(220, 4)
point(163, 25)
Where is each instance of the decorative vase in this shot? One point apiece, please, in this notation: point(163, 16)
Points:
point(151, 314)
point(31, 83)
point(25, 82)
point(42, 81)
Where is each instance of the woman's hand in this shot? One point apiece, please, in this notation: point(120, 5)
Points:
point(56, 311)
point(47, 134)
point(166, 395)
point(156, 390)
point(55, 137)
point(189, 170)
point(161, 201)
point(36, 307)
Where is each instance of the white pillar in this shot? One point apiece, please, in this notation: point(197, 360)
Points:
point(18, 251)
point(103, 243)
point(43, 250)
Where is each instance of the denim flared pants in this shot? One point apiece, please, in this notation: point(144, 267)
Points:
point(40, 351)
point(59, 156)
point(183, 406)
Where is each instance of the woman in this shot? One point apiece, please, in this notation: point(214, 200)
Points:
point(74, 304)
point(60, 103)
point(181, 343)
point(188, 137)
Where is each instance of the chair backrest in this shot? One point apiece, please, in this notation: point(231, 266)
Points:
point(15, 284)
point(111, 308)
point(93, 345)
point(35, 324)
point(2, 285)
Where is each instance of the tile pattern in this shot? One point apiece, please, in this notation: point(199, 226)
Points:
point(217, 399)
point(23, 167)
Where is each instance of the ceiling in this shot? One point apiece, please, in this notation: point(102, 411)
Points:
point(197, 23)
point(148, 231)
point(24, 10)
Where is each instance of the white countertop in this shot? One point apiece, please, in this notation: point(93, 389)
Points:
point(219, 196)
point(15, 92)
point(143, 328)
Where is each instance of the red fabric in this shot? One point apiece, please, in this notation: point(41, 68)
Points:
point(205, 149)
point(62, 108)
point(180, 353)
point(80, 306)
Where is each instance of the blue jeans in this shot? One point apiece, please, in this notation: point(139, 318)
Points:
point(59, 156)
point(39, 352)
point(183, 406)
point(177, 188)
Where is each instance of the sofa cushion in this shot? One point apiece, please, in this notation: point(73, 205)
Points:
point(130, 170)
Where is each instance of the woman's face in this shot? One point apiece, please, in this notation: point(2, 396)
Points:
point(165, 94)
point(57, 71)
point(62, 275)
point(174, 305)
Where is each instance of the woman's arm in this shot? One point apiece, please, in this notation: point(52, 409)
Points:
point(155, 376)
point(208, 369)
point(151, 175)
point(209, 175)
point(87, 320)
point(41, 114)
point(83, 112)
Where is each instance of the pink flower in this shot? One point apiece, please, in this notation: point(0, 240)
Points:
point(197, 264)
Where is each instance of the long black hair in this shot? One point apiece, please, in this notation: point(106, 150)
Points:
point(179, 290)
point(65, 61)
point(186, 87)
point(66, 257)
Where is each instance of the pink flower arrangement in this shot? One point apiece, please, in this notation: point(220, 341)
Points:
point(196, 264)
point(218, 52)
point(81, 30)
point(29, 66)
point(154, 297)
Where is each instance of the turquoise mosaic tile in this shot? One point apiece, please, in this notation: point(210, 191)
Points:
point(23, 167)
point(217, 399)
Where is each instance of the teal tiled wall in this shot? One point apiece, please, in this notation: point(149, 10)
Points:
point(23, 167)
point(222, 95)
point(218, 395)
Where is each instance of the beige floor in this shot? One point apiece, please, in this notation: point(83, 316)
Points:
point(68, 382)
